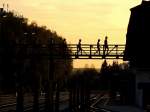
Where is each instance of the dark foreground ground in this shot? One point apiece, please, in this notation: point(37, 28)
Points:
point(99, 102)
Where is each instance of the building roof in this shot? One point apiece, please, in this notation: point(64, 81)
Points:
point(144, 4)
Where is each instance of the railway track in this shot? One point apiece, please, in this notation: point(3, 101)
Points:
point(8, 103)
point(101, 99)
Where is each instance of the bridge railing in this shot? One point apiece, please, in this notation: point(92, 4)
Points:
point(91, 51)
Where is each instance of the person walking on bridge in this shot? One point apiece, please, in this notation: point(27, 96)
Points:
point(64, 47)
point(98, 46)
point(106, 45)
point(79, 48)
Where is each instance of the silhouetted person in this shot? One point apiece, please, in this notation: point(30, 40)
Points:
point(106, 45)
point(64, 47)
point(98, 46)
point(79, 48)
point(64, 43)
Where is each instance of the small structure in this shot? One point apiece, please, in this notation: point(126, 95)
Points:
point(137, 51)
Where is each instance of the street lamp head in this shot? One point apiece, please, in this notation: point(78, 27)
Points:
point(33, 33)
point(25, 33)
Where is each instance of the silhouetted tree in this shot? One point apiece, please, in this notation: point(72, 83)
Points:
point(117, 78)
point(24, 59)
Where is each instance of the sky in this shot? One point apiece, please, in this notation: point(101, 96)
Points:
point(75, 19)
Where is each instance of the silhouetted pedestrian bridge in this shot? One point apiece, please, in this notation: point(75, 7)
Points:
point(73, 51)
point(91, 51)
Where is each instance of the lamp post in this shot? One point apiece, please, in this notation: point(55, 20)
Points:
point(3, 50)
point(21, 58)
point(49, 100)
point(34, 65)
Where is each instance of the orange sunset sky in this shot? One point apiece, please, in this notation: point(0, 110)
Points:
point(74, 19)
